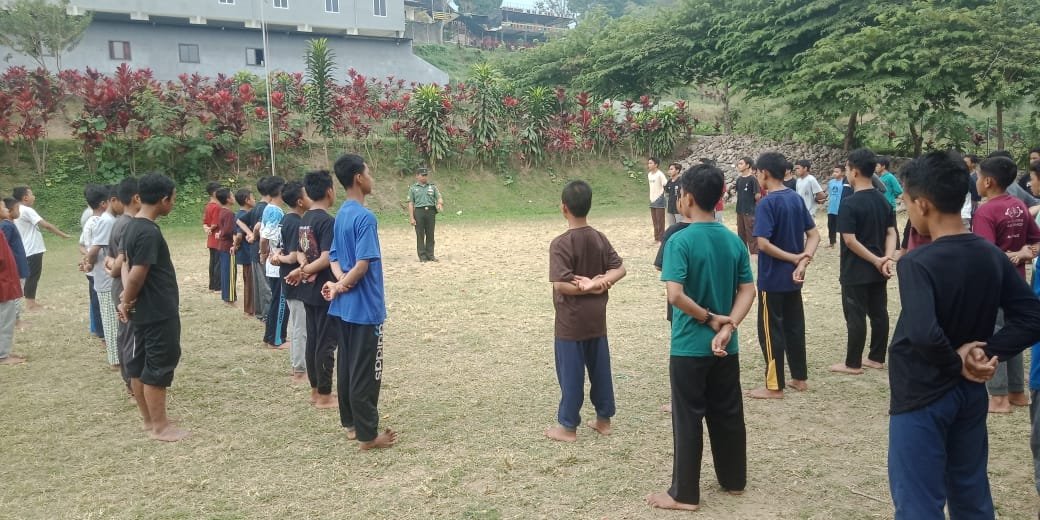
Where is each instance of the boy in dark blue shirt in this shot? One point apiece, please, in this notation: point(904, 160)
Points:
point(787, 240)
point(951, 291)
point(243, 250)
point(358, 304)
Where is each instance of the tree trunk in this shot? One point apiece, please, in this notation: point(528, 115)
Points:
point(727, 119)
point(916, 139)
point(850, 132)
point(1000, 125)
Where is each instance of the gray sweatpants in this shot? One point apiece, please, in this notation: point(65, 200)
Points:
point(1010, 375)
point(262, 298)
point(297, 335)
point(8, 315)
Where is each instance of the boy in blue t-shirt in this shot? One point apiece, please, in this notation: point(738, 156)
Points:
point(358, 303)
point(787, 240)
point(835, 187)
point(704, 367)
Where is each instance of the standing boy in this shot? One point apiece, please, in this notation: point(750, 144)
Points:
point(95, 263)
point(787, 240)
point(277, 320)
point(286, 259)
point(243, 251)
point(210, 216)
point(424, 202)
point(868, 242)
point(951, 292)
point(315, 240)
point(14, 239)
point(359, 307)
point(225, 234)
point(127, 193)
point(893, 191)
point(29, 223)
point(657, 180)
point(583, 266)
point(96, 196)
point(748, 194)
point(250, 226)
point(671, 191)
point(10, 293)
point(704, 368)
point(807, 186)
point(1005, 222)
point(150, 301)
point(835, 189)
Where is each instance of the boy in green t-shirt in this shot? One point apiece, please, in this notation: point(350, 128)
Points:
point(704, 367)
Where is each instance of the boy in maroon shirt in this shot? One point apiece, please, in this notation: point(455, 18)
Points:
point(1005, 221)
point(210, 224)
point(10, 292)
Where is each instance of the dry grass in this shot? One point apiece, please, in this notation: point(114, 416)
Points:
point(469, 384)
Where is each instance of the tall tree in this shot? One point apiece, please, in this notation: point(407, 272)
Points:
point(39, 29)
point(321, 66)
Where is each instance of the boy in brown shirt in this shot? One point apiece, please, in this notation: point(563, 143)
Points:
point(583, 266)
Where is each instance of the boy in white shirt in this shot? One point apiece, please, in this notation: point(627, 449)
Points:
point(29, 223)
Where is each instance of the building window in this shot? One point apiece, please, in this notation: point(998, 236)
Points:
point(255, 57)
point(226, 2)
point(331, 6)
point(379, 7)
point(189, 52)
point(281, 4)
point(119, 50)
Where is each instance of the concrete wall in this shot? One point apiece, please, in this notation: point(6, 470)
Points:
point(224, 51)
point(352, 13)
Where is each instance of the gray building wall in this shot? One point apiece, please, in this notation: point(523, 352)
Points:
point(155, 46)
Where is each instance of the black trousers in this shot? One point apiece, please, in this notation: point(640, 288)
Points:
point(214, 270)
point(707, 388)
point(781, 330)
point(35, 270)
point(858, 302)
point(425, 223)
point(322, 340)
point(359, 376)
point(832, 228)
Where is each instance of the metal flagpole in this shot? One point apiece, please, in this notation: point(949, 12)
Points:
point(267, 82)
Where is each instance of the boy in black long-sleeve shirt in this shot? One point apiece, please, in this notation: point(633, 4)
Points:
point(944, 348)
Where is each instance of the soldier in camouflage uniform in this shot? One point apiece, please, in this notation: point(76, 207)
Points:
point(424, 202)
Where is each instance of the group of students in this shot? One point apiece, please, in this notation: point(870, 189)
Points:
point(966, 310)
point(314, 280)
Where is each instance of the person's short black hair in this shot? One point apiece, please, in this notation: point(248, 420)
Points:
point(10, 203)
point(748, 161)
point(155, 187)
point(707, 160)
point(19, 192)
point(261, 185)
point(940, 177)
point(839, 167)
point(317, 184)
point(884, 161)
point(275, 186)
point(96, 194)
point(242, 195)
point(655, 159)
point(212, 187)
point(1035, 149)
point(292, 193)
point(577, 196)
point(677, 166)
point(347, 167)
point(864, 160)
point(126, 190)
point(804, 163)
point(1001, 169)
point(705, 183)
point(223, 195)
point(974, 158)
point(774, 163)
point(1000, 153)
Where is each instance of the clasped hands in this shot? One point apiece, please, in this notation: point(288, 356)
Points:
point(976, 366)
point(597, 285)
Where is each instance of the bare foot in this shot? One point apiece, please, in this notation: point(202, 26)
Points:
point(999, 404)
point(559, 433)
point(734, 492)
point(798, 384)
point(298, 378)
point(32, 305)
point(665, 501)
point(314, 396)
point(1018, 399)
point(765, 393)
point(873, 364)
point(601, 425)
point(384, 440)
point(666, 408)
point(842, 368)
point(169, 434)
point(115, 367)
point(325, 402)
point(12, 360)
point(351, 433)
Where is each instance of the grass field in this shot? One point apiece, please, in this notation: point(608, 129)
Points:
point(470, 386)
